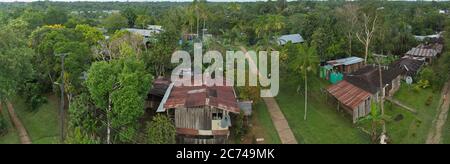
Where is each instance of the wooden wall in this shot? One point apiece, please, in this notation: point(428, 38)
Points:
point(194, 118)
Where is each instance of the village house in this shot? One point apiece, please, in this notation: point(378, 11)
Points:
point(293, 38)
point(156, 94)
point(147, 34)
point(201, 114)
point(425, 52)
point(359, 88)
point(334, 70)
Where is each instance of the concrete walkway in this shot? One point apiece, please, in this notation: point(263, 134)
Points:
point(278, 119)
point(435, 134)
point(280, 122)
point(23, 135)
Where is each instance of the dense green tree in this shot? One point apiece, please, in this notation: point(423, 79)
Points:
point(35, 18)
point(55, 15)
point(115, 22)
point(91, 34)
point(82, 117)
point(118, 87)
point(142, 21)
point(158, 56)
point(15, 59)
point(130, 15)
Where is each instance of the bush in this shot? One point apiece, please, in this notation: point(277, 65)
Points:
point(422, 84)
point(3, 125)
point(78, 137)
point(161, 130)
point(429, 101)
point(239, 127)
point(32, 94)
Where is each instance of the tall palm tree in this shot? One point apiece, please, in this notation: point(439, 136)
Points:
point(305, 63)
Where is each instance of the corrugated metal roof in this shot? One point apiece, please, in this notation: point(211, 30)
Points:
point(143, 32)
point(294, 38)
point(199, 96)
point(348, 94)
point(345, 61)
point(422, 52)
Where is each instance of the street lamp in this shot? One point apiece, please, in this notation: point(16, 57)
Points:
point(61, 110)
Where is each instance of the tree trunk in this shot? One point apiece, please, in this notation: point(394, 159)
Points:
point(366, 52)
point(306, 95)
point(108, 130)
point(350, 45)
point(374, 132)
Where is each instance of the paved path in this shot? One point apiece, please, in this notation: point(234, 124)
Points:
point(23, 135)
point(280, 122)
point(278, 119)
point(435, 134)
point(401, 105)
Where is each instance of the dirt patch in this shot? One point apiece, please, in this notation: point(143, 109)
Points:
point(435, 134)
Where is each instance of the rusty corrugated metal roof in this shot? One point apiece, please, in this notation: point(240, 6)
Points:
point(348, 94)
point(221, 97)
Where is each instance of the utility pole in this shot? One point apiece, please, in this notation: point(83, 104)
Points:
point(382, 92)
point(61, 110)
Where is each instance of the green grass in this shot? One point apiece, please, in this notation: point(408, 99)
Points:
point(42, 125)
point(265, 127)
point(412, 128)
point(324, 123)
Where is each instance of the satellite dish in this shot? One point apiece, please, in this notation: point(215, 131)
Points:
point(409, 80)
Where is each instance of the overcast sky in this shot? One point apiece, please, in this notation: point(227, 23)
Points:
point(160, 0)
point(137, 0)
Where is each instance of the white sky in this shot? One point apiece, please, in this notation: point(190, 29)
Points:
point(134, 0)
point(159, 0)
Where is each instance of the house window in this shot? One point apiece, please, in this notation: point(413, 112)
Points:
point(217, 116)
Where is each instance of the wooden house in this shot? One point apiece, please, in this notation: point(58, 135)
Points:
point(156, 94)
point(354, 100)
point(427, 52)
point(347, 65)
point(359, 88)
point(202, 114)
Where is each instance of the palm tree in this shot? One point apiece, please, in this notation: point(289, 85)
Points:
point(376, 118)
point(305, 63)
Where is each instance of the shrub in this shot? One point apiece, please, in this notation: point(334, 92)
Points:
point(239, 127)
point(3, 125)
point(429, 101)
point(32, 94)
point(161, 130)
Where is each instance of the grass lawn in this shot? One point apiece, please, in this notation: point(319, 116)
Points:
point(413, 128)
point(263, 125)
point(324, 124)
point(260, 126)
point(42, 125)
point(406, 127)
